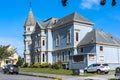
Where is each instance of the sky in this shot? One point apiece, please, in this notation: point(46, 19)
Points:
point(13, 14)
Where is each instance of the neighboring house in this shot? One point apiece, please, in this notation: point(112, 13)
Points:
point(97, 47)
point(55, 40)
point(10, 60)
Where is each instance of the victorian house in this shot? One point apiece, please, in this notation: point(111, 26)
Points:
point(55, 40)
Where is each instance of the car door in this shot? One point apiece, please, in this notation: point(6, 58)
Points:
point(90, 68)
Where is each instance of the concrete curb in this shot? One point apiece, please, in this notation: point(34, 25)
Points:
point(44, 76)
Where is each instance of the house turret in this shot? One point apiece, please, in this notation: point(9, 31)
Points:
point(28, 29)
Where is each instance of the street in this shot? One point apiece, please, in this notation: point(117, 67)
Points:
point(20, 77)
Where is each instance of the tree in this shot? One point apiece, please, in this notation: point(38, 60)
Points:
point(20, 61)
point(6, 51)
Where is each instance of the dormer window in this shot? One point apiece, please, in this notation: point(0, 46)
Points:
point(55, 21)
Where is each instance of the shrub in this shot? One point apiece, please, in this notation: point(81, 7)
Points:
point(36, 65)
point(44, 65)
point(57, 65)
point(19, 62)
point(25, 65)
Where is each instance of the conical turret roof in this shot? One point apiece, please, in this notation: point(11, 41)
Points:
point(30, 21)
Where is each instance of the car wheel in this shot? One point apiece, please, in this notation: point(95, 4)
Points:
point(106, 72)
point(98, 71)
point(4, 72)
point(85, 71)
point(7, 72)
point(17, 73)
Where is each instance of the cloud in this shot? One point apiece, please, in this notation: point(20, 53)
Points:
point(15, 43)
point(89, 4)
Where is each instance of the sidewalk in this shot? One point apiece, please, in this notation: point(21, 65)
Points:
point(67, 77)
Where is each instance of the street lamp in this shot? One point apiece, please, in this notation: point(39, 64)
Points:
point(103, 2)
point(64, 3)
point(113, 2)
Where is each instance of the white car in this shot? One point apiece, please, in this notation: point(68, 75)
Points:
point(98, 68)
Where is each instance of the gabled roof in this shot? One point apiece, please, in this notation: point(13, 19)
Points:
point(98, 36)
point(30, 21)
point(73, 17)
point(48, 23)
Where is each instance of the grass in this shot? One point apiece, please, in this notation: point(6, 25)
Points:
point(47, 70)
point(56, 71)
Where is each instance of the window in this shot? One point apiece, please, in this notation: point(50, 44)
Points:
point(68, 55)
point(28, 29)
point(57, 57)
point(43, 57)
point(38, 58)
point(81, 50)
point(36, 44)
point(62, 56)
point(101, 58)
point(91, 57)
point(43, 42)
point(77, 36)
point(101, 48)
point(78, 58)
point(68, 36)
point(57, 40)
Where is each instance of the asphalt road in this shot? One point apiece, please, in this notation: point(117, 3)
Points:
point(20, 77)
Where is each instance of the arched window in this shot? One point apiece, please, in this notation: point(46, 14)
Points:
point(57, 40)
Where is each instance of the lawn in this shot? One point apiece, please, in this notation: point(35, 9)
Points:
point(47, 70)
point(56, 71)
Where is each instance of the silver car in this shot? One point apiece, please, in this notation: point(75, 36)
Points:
point(98, 68)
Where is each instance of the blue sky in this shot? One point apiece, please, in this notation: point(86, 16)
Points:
point(13, 14)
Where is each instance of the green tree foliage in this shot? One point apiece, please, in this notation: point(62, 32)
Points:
point(6, 51)
point(20, 61)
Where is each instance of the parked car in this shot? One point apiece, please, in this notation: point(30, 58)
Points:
point(117, 73)
point(98, 68)
point(10, 69)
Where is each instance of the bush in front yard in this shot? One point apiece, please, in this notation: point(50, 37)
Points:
point(57, 65)
point(44, 65)
point(36, 65)
point(25, 65)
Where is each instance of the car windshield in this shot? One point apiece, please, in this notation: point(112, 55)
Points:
point(105, 64)
point(14, 66)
